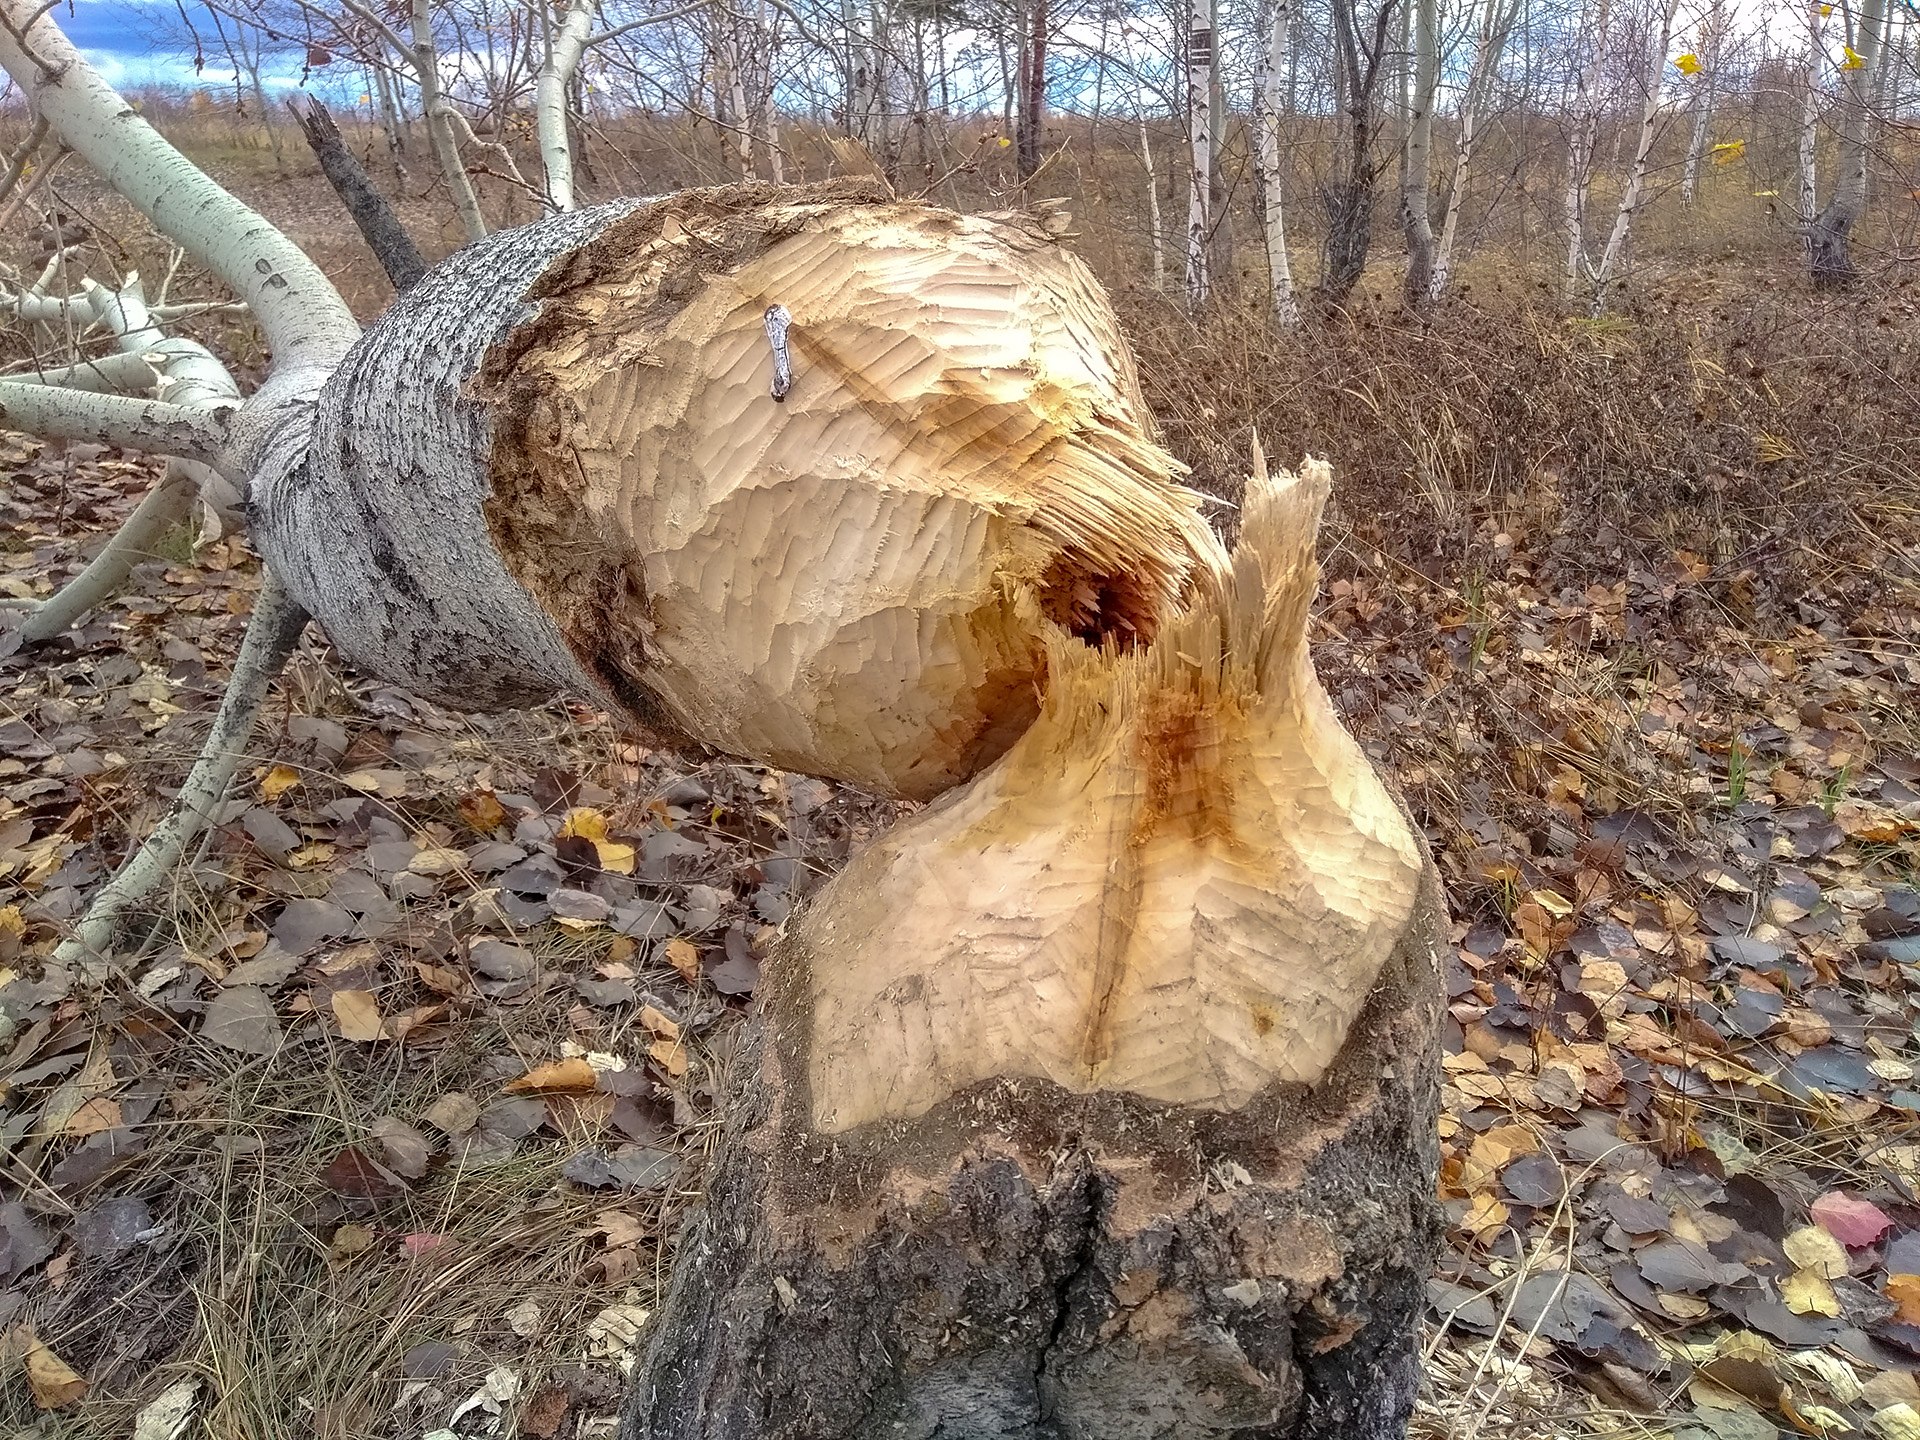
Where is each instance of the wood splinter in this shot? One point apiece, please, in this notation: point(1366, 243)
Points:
point(1096, 1099)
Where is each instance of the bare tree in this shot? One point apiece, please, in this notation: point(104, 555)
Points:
point(1652, 106)
point(1361, 53)
point(1416, 156)
point(1829, 234)
point(1496, 22)
point(1200, 142)
point(1270, 100)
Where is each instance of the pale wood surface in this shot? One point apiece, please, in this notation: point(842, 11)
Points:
point(848, 582)
point(1180, 882)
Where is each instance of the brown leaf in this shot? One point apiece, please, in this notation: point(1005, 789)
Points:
point(567, 1075)
point(483, 811)
point(52, 1382)
point(358, 1014)
point(353, 1173)
point(242, 1019)
point(542, 1416)
point(406, 1150)
point(684, 956)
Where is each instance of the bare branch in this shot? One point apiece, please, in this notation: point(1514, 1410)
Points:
point(189, 432)
point(307, 323)
point(271, 635)
point(392, 246)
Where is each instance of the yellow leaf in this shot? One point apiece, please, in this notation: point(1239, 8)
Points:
point(1005, 142)
point(584, 824)
point(1485, 1217)
point(277, 781)
point(1728, 151)
point(615, 856)
point(562, 1075)
point(1812, 1248)
point(1806, 1292)
point(1825, 10)
point(483, 811)
point(359, 1016)
point(1492, 1150)
point(1688, 64)
point(52, 1382)
point(1854, 61)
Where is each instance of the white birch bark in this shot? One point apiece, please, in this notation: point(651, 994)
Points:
point(1156, 227)
point(1497, 19)
point(439, 117)
point(1809, 201)
point(1416, 160)
point(1271, 101)
point(1583, 134)
point(564, 50)
point(1631, 192)
point(1706, 90)
point(1200, 144)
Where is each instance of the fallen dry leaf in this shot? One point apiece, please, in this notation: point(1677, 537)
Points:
point(1813, 1248)
point(1854, 1222)
point(50, 1380)
point(573, 1074)
point(358, 1014)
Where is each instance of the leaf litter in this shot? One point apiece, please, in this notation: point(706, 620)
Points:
point(426, 1051)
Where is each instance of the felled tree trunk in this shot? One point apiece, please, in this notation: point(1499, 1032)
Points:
point(1096, 1100)
point(788, 473)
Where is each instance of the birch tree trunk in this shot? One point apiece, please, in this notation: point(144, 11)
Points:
point(440, 126)
point(1706, 86)
point(1810, 127)
point(1582, 136)
point(564, 49)
point(1200, 148)
point(1497, 19)
point(1631, 192)
point(1416, 167)
point(1271, 93)
point(1156, 227)
point(1832, 228)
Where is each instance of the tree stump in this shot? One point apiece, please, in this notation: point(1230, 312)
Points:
point(1096, 1099)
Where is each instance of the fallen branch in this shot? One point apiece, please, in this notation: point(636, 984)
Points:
point(271, 635)
point(187, 432)
point(378, 225)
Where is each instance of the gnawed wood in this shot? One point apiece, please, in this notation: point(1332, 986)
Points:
point(844, 579)
point(1179, 882)
point(1096, 1101)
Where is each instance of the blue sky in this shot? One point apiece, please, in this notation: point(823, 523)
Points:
point(112, 35)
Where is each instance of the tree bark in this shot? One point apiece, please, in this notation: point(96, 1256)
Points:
point(392, 246)
point(1270, 93)
point(1416, 161)
point(555, 465)
point(1829, 235)
point(1074, 1111)
point(1348, 193)
point(1200, 149)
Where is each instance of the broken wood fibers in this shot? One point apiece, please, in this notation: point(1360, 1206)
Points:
point(1096, 1100)
point(849, 582)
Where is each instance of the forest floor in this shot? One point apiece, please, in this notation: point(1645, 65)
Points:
point(388, 1131)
